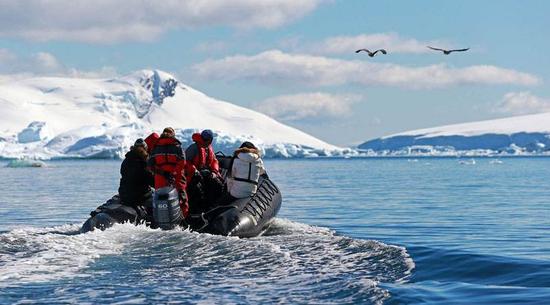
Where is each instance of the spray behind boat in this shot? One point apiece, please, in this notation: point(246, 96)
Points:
point(166, 208)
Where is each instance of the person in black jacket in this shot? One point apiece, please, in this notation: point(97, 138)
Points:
point(136, 180)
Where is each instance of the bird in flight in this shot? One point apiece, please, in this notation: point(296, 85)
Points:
point(371, 54)
point(447, 52)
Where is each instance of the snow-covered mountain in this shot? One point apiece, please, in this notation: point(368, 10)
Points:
point(51, 117)
point(528, 134)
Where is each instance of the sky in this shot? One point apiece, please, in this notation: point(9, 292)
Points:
point(295, 60)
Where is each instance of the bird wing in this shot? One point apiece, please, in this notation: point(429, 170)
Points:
point(437, 49)
point(362, 50)
point(459, 50)
point(383, 51)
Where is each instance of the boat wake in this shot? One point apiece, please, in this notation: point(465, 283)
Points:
point(143, 265)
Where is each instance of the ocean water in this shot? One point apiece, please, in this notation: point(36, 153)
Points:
point(350, 231)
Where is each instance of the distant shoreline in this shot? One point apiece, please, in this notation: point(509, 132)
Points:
point(409, 157)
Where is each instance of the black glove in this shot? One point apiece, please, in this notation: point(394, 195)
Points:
point(206, 173)
point(196, 177)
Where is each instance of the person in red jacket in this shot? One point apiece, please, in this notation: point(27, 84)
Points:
point(151, 142)
point(200, 155)
point(167, 161)
point(203, 171)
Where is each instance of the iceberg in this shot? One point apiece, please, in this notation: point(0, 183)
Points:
point(17, 163)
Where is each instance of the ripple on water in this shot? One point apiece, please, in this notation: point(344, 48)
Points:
point(138, 264)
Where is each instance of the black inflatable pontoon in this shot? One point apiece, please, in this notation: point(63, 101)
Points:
point(247, 217)
point(111, 212)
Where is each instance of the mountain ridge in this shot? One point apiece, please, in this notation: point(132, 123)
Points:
point(56, 117)
point(517, 135)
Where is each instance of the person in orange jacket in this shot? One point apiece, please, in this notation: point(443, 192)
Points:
point(167, 162)
point(203, 171)
point(200, 155)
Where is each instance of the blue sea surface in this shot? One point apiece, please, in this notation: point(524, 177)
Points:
point(350, 231)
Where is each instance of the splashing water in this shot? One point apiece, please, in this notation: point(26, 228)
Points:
point(291, 261)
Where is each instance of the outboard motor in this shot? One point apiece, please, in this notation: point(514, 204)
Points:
point(166, 208)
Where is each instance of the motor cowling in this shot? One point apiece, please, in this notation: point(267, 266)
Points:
point(167, 212)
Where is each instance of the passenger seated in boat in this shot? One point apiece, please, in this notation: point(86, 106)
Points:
point(200, 155)
point(167, 161)
point(205, 184)
point(247, 167)
point(136, 180)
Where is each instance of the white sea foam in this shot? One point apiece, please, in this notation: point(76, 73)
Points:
point(291, 259)
point(38, 255)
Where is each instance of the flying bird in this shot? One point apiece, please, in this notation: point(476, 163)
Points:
point(447, 52)
point(371, 54)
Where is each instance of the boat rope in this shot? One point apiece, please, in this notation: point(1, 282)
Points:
point(261, 200)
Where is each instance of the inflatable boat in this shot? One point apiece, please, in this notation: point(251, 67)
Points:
point(246, 217)
point(112, 211)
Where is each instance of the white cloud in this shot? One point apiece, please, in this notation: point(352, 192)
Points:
point(307, 105)
point(42, 62)
point(522, 103)
point(392, 42)
point(13, 66)
point(107, 21)
point(103, 72)
point(277, 67)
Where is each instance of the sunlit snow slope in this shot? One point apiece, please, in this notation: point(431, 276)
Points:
point(50, 117)
point(528, 134)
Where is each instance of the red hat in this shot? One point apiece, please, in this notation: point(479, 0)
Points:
point(151, 141)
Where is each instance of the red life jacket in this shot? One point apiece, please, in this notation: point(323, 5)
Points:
point(168, 159)
point(203, 157)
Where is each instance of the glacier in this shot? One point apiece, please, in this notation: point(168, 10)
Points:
point(57, 117)
point(513, 136)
